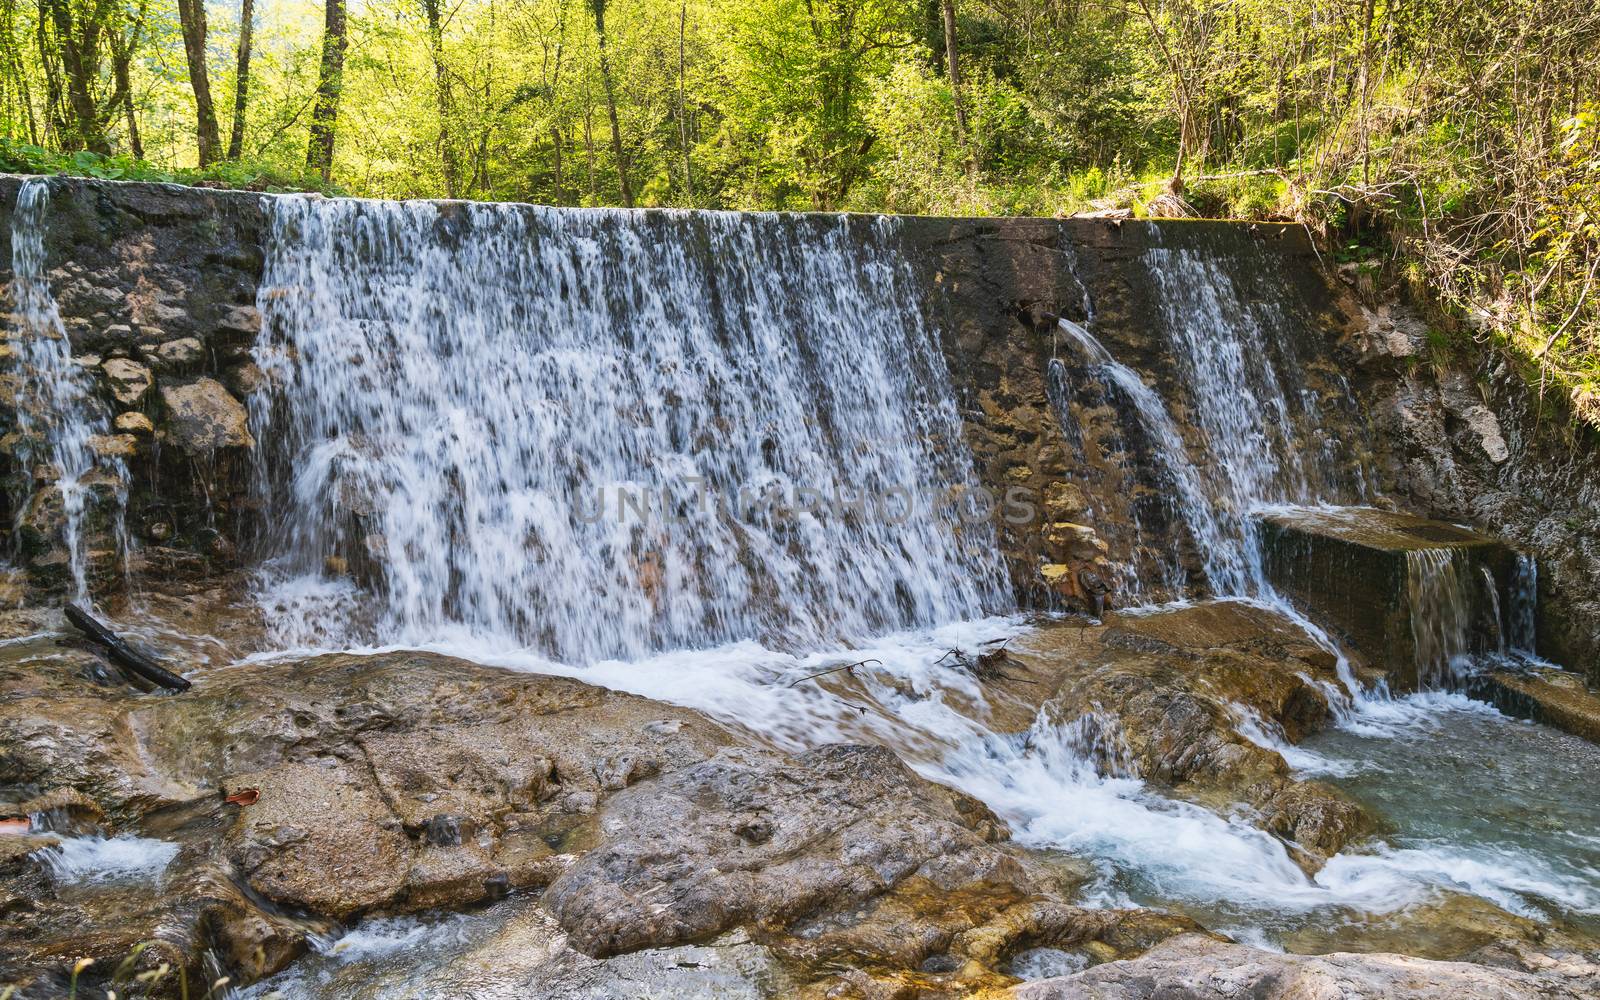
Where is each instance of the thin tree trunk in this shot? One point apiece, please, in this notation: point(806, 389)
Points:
point(555, 144)
point(588, 144)
point(683, 106)
point(55, 119)
point(241, 81)
point(599, 9)
point(192, 19)
point(953, 65)
point(120, 58)
point(330, 79)
point(444, 98)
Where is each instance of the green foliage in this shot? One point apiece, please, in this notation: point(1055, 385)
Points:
point(22, 158)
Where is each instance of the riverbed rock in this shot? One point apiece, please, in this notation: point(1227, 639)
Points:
point(347, 787)
point(203, 417)
point(1164, 697)
point(1193, 967)
point(1555, 697)
point(749, 837)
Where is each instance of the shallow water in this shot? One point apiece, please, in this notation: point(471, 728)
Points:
point(123, 858)
point(1511, 802)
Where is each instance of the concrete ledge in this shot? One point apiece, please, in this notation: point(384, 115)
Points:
point(1351, 569)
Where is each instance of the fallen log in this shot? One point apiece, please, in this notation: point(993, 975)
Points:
point(123, 654)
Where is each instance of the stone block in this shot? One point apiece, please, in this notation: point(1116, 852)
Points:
point(1405, 592)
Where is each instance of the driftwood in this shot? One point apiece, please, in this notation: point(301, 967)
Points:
point(986, 666)
point(123, 654)
point(849, 668)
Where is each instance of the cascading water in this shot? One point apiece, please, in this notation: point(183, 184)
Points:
point(1439, 603)
point(1521, 630)
point(1247, 400)
point(450, 387)
point(58, 416)
point(558, 427)
point(1225, 563)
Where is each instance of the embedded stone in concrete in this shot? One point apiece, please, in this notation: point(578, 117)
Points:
point(1356, 570)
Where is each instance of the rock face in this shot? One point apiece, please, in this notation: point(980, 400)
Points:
point(1190, 967)
point(150, 280)
point(1469, 440)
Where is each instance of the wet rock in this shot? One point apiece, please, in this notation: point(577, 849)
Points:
point(243, 379)
point(1554, 697)
point(134, 422)
point(840, 826)
point(114, 445)
point(391, 783)
point(203, 417)
point(319, 838)
point(176, 355)
point(1163, 697)
point(1201, 968)
point(127, 380)
point(1351, 569)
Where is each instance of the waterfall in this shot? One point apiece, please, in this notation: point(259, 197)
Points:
point(58, 415)
point(1226, 565)
point(1521, 630)
point(605, 433)
point(1439, 602)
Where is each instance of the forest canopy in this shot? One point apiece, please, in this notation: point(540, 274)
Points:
point(1447, 145)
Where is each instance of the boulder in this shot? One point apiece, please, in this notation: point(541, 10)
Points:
point(1160, 697)
point(134, 422)
point(752, 838)
point(185, 352)
point(203, 417)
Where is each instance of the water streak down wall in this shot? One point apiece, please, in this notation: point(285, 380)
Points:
point(169, 279)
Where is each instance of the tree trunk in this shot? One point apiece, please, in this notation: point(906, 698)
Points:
point(192, 19)
point(79, 51)
point(330, 79)
point(120, 58)
point(241, 81)
point(683, 106)
point(599, 9)
point(444, 98)
point(555, 145)
point(953, 67)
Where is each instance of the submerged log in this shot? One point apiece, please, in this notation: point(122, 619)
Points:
point(123, 654)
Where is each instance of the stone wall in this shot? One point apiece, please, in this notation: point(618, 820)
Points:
point(997, 288)
point(157, 287)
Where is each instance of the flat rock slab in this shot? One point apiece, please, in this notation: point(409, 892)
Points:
point(1355, 569)
point(1192, 967)
point(1554, 697)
